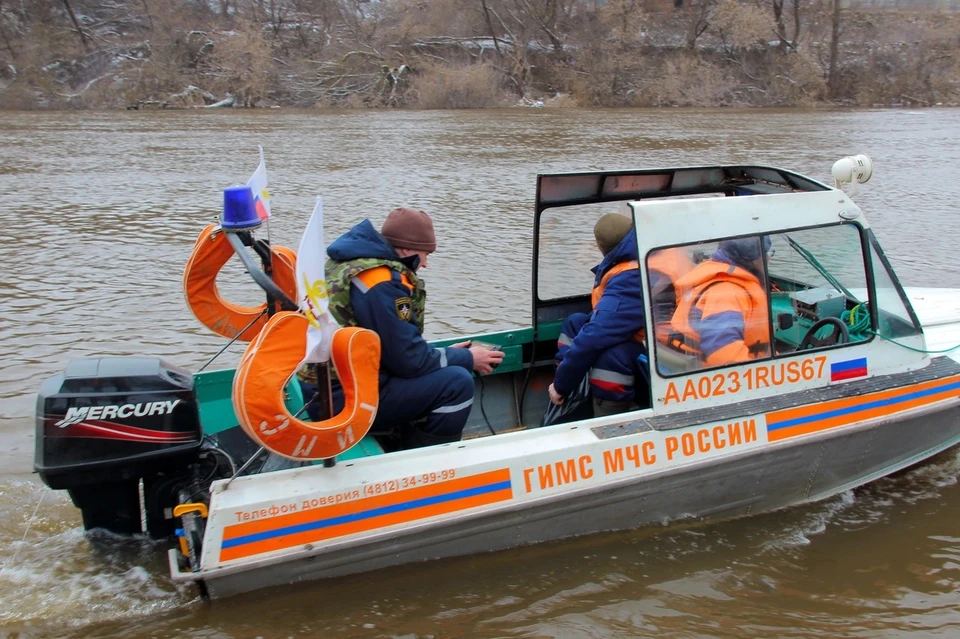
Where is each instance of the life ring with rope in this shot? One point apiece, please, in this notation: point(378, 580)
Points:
point(268, 365)
point(210, 253)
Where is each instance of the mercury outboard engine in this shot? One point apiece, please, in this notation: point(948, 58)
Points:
point(107, 424)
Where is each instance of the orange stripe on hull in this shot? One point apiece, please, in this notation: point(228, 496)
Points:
point(267, 535)
point(849, 412)
point(357, 505)
point(814, 409)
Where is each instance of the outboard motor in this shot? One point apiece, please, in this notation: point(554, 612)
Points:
point(106, 424)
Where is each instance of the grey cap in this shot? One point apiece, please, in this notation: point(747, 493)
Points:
point(610, 231)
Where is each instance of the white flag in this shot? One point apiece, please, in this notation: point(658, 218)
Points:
point(312, 289)
point(258, 184)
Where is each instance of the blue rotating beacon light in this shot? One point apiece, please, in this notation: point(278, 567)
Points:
point(239, 211)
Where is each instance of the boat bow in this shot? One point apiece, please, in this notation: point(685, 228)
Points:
point(938, 310)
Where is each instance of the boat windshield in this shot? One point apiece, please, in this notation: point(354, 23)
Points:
point(568, 250)
point(793, 290)
point(829, 258)
point(815, 263)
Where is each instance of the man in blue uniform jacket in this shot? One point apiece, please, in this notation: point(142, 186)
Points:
point(425, 392)
point(606, 343)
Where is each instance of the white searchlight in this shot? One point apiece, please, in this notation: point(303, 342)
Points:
point(853, 169)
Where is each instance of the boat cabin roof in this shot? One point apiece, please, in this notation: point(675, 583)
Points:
point(564, 189)
point(679, 205)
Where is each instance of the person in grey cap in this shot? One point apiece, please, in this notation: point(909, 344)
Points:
point(605, 344)
point(425, 392)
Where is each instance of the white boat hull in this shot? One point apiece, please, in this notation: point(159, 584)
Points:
point(762, 475)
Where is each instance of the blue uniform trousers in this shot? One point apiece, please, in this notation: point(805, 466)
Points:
point(416, 411)
point(615, 370)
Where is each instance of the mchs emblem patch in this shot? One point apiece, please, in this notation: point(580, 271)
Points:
point(404, 308)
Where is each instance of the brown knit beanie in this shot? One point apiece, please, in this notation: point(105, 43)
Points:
point(610, 230)
point(410, 229)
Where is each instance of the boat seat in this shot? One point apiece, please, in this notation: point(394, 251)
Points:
point(368, 447)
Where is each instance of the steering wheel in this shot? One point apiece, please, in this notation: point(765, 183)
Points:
point(839, 335)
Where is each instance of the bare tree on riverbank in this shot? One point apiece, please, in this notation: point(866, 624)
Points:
point(476, 53)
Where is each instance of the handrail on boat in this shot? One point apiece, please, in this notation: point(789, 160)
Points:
point(259, 276)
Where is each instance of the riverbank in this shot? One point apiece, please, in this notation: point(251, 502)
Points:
point(449, 54)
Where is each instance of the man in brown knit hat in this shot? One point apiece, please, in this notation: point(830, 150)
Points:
point(425, 392)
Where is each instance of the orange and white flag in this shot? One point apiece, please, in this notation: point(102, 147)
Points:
point(312, 289)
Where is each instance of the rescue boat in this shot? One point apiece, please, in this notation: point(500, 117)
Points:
point(860, 380)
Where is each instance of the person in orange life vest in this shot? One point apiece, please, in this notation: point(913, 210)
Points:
point(606, 343)
point(723, 311)
point(425, 392)
point(665, 267)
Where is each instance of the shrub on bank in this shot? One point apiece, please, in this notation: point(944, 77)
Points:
point(460, 86)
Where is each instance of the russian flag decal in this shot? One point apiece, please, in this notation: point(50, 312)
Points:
point(848, 369)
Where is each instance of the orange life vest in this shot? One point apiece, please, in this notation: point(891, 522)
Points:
point(210, 253)
point(672, 264)
point(715, 287)
point(632, 265)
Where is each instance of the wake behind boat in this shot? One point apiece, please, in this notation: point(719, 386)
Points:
point(848, 389)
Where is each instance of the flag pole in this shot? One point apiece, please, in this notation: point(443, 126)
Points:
point(264, 164)
point(312, 289)
point(325, 399)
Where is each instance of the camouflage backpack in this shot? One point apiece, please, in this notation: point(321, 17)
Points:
point(339, 275)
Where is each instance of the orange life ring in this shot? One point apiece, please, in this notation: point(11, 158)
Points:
point(269, 363)
point(210, 252)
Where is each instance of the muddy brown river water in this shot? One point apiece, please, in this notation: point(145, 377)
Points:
point(99, 213)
